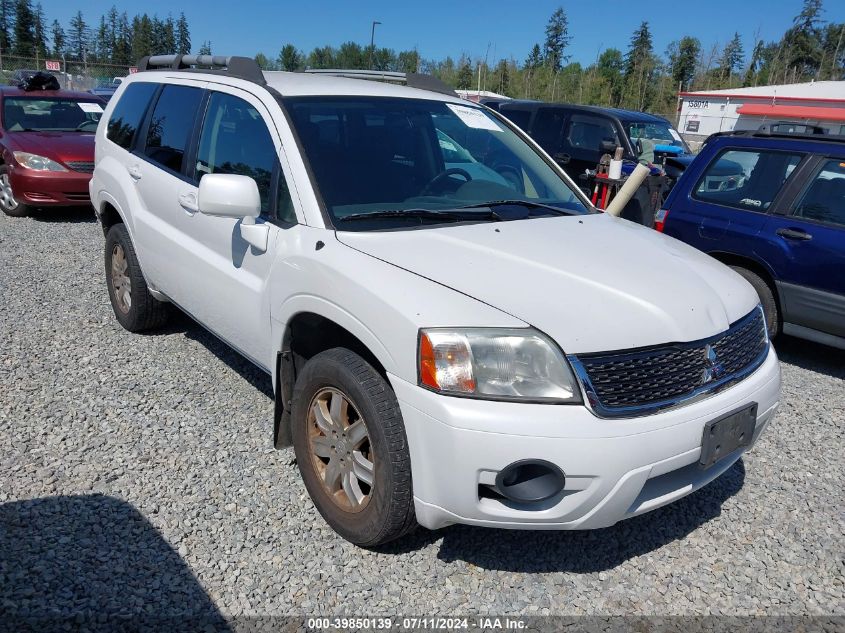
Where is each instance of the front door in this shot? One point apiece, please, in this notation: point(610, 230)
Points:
point(226, 281)
point(806, 247)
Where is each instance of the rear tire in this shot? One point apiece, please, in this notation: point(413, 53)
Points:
point(767, 299)
point(359, 478)
point(8, 204)
point(134, 307)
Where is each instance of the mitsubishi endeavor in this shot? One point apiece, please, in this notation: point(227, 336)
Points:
point(455, 335)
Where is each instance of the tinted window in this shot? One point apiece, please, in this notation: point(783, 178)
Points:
point(235, 140)
point(171, 125)
point(586, 132)
point(54, 114)
point(746, 179)
point(824, 199)
point(548, 127)
point(129, 112)
point(520, 118)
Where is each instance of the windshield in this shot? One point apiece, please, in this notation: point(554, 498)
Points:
point(22, 114)
point(386, 156)
point(654, 133)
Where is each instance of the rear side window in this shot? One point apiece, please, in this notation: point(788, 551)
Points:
point(746, 179)
point(586, 132)
point(548, 128)
point(824, 199)
point(129, 112)
point(171, 125)
point(520, 118)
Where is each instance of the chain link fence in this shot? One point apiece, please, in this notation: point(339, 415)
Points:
point(72, 74)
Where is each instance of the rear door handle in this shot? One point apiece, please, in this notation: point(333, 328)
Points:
point(794, 234)
point(134, 172)
point(188, 201)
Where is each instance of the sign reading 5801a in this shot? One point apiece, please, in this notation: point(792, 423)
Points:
point(698, 104)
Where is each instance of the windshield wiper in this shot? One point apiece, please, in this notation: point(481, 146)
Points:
point(522, 203)
point(422, 214)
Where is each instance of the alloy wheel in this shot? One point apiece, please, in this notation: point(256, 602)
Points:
point(121, 283)
point(340, 449)
point(7, 198)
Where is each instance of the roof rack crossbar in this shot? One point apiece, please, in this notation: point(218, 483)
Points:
point(412, 80)
point(231, 66)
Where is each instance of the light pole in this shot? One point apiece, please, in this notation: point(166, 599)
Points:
point(372, 43)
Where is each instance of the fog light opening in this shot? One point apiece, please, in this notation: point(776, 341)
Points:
point(530, 481)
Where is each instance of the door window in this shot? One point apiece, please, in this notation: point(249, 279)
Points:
point(586, 133)
point(129, 112)
point(824, 199)
point(548, 127)
point(171, 125)
point(746, 179)
point(520, 118)
point(235, 140)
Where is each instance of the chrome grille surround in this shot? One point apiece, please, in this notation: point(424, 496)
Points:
point(644, 381)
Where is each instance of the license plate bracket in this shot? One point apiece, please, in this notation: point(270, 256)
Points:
point(724, 435)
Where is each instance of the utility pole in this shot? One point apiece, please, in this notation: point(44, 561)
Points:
point(372, 43)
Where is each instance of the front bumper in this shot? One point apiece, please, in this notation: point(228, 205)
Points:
point(615, 469)
point(49, 188)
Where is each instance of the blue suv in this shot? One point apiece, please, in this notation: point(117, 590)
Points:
point(771, 205)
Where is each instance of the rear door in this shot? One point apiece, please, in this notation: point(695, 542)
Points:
point(547, 130)
point(157, 167)
point(805, 246)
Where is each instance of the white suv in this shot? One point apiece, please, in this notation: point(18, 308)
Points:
point(454, 334)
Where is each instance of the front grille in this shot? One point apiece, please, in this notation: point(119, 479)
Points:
point(84, 166)
point(77, 197)
point(646, 380)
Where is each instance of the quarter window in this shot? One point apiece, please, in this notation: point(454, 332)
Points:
point(171, 125)
point(824, 199)
point(129, 112)
point(746, 179)
point(586, 132)
point(235, 140)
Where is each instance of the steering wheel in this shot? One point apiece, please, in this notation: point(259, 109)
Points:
point(455, 171)
point(85, 124)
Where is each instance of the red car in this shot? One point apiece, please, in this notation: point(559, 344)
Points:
point(46, 148)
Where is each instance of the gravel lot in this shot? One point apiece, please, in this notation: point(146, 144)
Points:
point(136, 475)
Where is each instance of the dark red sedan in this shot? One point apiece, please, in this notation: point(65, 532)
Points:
point(46, 148)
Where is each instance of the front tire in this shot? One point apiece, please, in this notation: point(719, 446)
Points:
point(351, 448)
point(134, 307)
point(8, 203)
point(767, 299)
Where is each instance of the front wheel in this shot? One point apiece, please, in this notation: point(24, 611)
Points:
point(8, 203)
point(767, 299)
point(351, 448)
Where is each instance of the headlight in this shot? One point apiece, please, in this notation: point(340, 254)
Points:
point(499, 364)
point(36, 162)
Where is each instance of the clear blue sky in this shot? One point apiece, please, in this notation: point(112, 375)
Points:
point(446, 27)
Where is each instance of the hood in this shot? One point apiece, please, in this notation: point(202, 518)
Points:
point(60, 146)
point(593, 283)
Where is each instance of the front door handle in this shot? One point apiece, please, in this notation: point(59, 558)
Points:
point(563, 159)
point(794, 234)
point(188, 201)
point(134, 172)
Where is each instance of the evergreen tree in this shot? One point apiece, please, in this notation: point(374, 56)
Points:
point(205, 49)
point(290, 59)
point(557, 39)
point(322, 57)
point(39, 31)
point(639, 68)
point(183, 36)
point(264, 62)
point(464, 79)
point(609, 68)
point(24, 30)
point(408, 61)
point(802, 43)
point(142, 37)
point(122, 46)
point(7, 21)
point(683, 58)
point(535, 58)
point(102, 42)
point(732, 57)
point(502, 78)
point(57, 35)
point(77, 38)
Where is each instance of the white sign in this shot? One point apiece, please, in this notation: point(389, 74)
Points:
point(474, 118)
point(93, 108)
point(674, 134)
point(52, 65)
point(133, 70)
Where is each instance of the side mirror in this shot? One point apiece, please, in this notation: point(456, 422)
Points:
point(607, 147)
point(229, 196)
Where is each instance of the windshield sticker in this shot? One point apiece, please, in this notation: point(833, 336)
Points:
point(448, 146)
point(474, 118)
point(90, 107)
point(674, 134)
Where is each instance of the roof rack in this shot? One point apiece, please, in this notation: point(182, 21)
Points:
point(412, 80)
point(240, 67)
point(783, 129)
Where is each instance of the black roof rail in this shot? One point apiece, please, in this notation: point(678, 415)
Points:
point(412, 80)
point(767, 131)
point(232, 66)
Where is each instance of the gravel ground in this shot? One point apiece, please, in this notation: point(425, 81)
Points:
point(136, 475)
